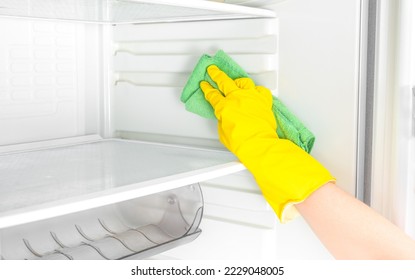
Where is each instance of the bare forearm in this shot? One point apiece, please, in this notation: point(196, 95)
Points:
point(351, 230)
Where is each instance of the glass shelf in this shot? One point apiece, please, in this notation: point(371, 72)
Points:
point(45, 183)
point(127, 11)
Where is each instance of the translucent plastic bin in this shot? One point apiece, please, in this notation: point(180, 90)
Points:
point(136, 228)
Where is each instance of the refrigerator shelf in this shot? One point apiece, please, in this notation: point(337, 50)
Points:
point(44, 183)
point(128, 11)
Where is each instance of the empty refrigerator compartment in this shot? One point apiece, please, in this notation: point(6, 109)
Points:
point(135, 228)
point(45, 183)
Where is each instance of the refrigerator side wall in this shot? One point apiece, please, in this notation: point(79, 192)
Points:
point(49, 80)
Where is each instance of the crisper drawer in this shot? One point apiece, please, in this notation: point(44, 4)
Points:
point(136, 228)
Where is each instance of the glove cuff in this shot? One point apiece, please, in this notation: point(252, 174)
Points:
point(285, 174)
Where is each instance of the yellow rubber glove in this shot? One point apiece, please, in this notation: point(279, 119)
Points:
point(284, 172)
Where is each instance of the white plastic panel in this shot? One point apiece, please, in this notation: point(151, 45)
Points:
point(235, 29)
point(157, 110)
point(319, 77)
point(236, 198)
point(120, 11)
point(152, 63)
point(47, 88)
point(45, 183)
point(222, 240)
point(183, 63)
point(294, 241)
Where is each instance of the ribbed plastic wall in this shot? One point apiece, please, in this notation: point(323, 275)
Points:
point(152, 63)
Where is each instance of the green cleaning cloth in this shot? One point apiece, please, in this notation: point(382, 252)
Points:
point(288, 125)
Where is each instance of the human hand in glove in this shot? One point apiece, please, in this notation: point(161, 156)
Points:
point(285, 173)
point(288, 176)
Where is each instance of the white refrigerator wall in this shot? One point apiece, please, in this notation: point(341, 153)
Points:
point(49, 80)
point(319, 77)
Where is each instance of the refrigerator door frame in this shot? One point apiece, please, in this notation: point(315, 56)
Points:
point(394, 141)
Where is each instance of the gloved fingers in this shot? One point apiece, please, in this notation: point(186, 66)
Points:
point(222, 139)
point(263, 90)
point(245, 83)
point(265, 93)
point(224, 82)
point(212, 95)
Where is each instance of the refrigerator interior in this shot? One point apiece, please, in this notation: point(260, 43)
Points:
point(72, 188)
point(91, 72)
